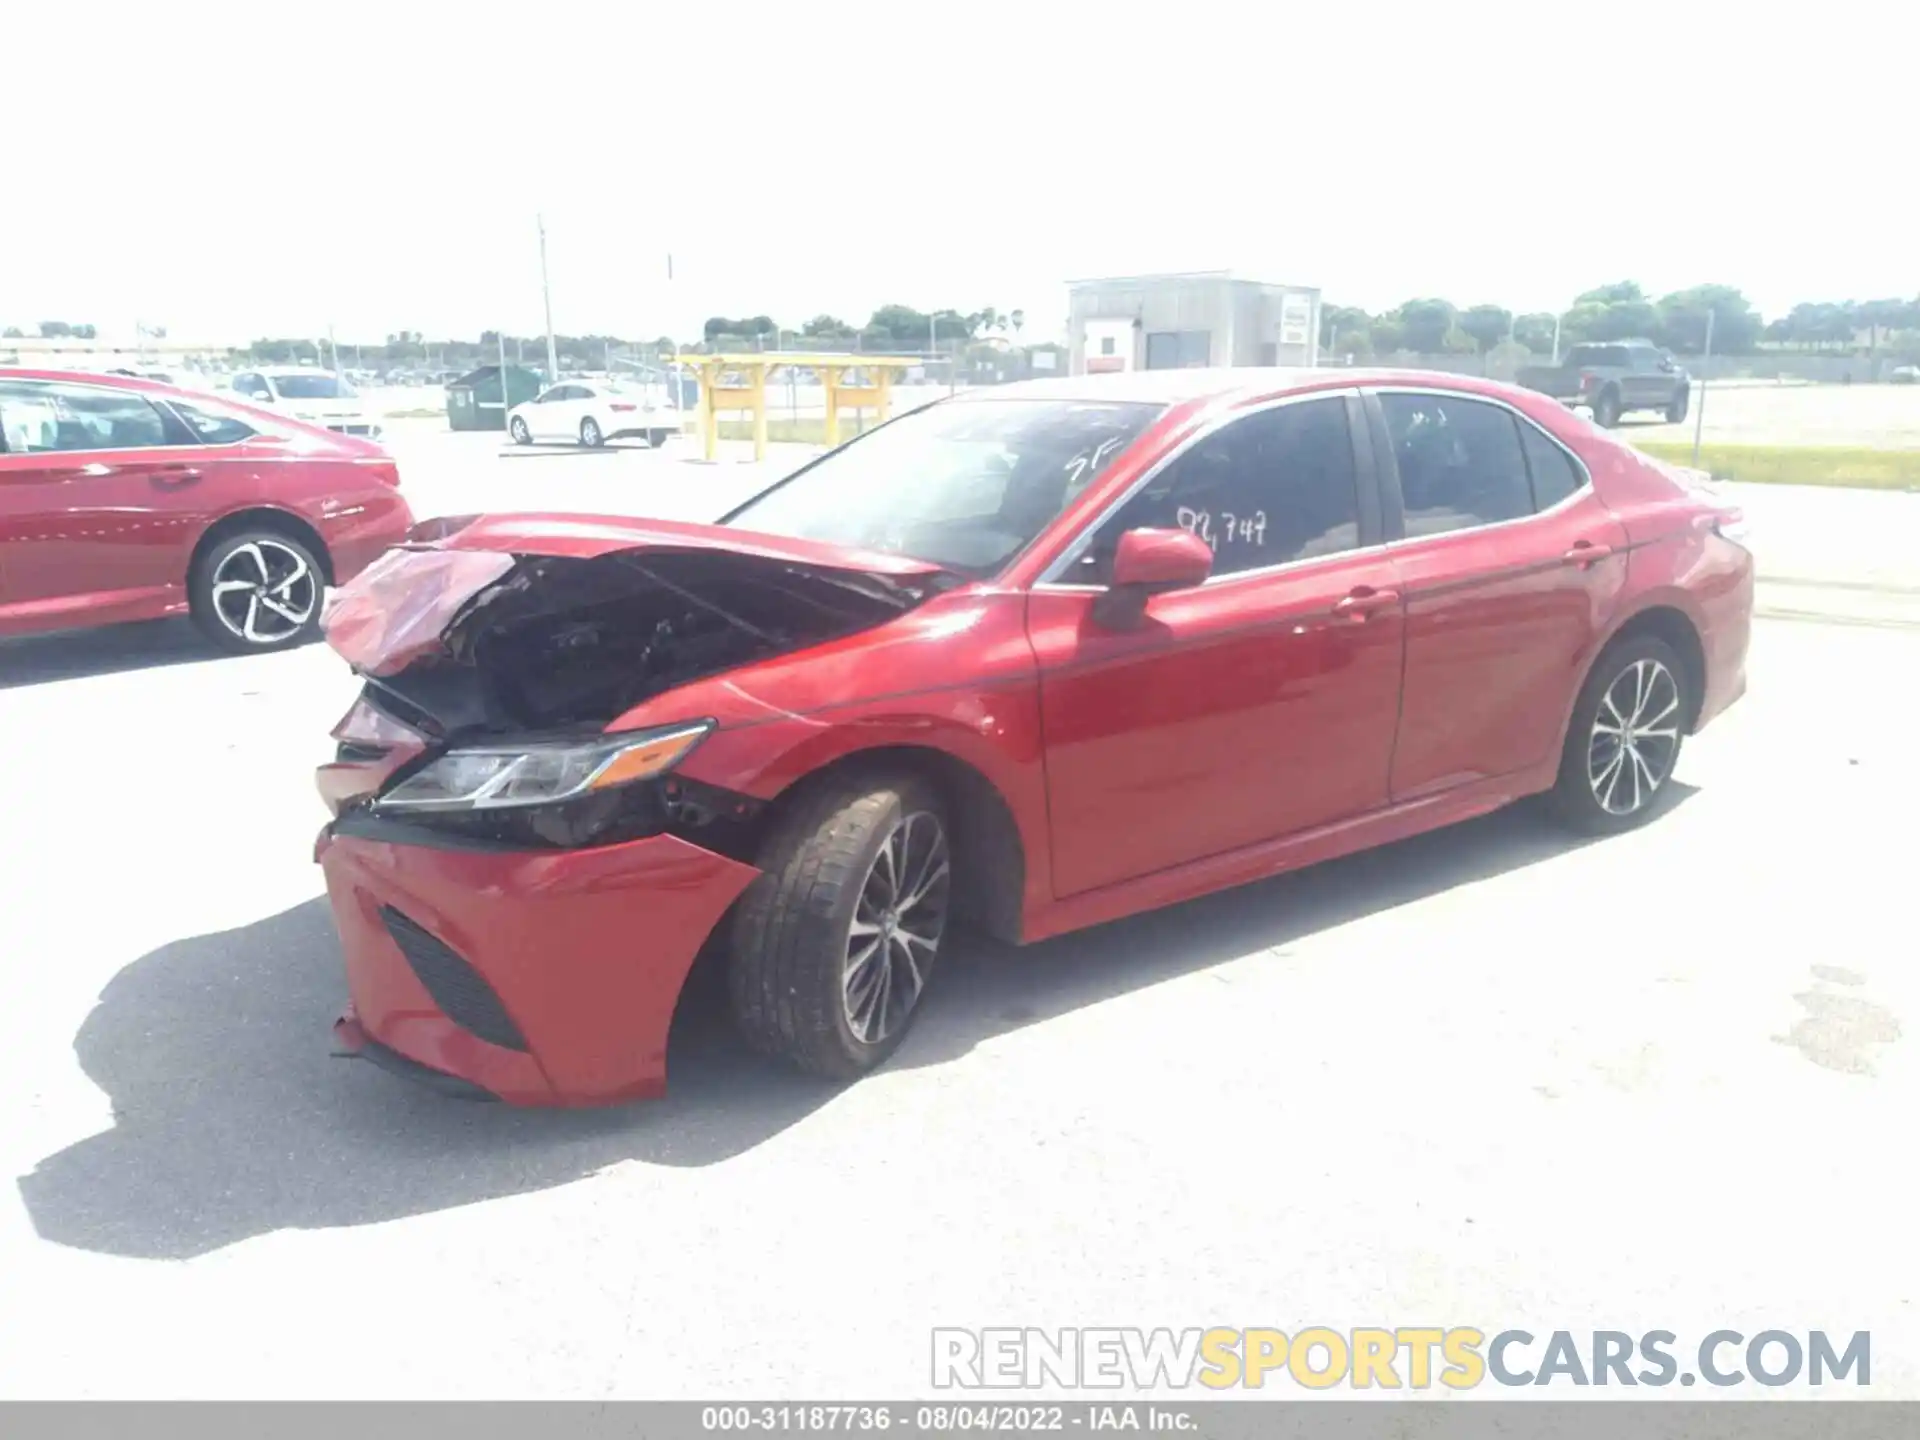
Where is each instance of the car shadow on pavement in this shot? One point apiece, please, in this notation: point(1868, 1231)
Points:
point(231, 1120)
point(75, 654)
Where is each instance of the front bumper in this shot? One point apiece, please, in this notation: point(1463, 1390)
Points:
point(538, 978)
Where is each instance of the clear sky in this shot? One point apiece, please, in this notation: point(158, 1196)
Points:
point(236, 170)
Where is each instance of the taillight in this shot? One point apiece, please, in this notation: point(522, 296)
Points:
point(1731, 525)
point(386, 472)
point(1588, 380)
point(622, 405)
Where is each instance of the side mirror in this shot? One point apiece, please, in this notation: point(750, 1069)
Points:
point(1157, 560)
point(1147, 563)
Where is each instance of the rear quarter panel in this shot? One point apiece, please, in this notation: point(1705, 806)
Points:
point(333, 488)
point(1678, 561)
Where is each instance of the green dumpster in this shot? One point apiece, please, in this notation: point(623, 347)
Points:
point(475, 401)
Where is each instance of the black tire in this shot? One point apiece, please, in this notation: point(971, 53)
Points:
point(1606, 409)
point(295, 580)
point(657, 438)
point(521, 434)
point(793, 989)
point(590, 435)
point(1591, 786)
point(1677, 408)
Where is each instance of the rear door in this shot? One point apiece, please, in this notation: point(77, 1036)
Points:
point(100, 503)
point(1259, 704)
point(1510, 566)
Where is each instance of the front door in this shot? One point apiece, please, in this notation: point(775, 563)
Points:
point(1511, 567)
point(97, 503)
point(1257, 705)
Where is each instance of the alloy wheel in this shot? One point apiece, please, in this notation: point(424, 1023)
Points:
point(1636, 737)
point(265, 591)
point(896, 928)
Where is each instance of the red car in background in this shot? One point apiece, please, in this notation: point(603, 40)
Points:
point(1032, 658)
point(124, 499)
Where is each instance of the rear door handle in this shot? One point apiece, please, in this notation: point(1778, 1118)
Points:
point(1585, 552)
point(1363, 601)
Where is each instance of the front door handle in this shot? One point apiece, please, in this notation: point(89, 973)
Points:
point(1586, 552)
point(173, 476)
point(1363, 601)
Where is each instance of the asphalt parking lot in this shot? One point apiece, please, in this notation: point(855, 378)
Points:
point(1483, 1077)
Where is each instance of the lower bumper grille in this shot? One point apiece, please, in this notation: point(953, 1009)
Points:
point(460, 991)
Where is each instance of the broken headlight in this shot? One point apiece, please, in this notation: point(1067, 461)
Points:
point(515, 777)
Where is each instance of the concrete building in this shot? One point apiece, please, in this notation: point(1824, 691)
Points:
point(1186, 321)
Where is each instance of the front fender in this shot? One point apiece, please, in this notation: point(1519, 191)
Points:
point(995, 731)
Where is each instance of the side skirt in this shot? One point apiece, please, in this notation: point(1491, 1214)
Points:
point(1289, 852)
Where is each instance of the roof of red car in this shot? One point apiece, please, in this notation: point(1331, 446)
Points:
point(87, 377)
point(1173, 387)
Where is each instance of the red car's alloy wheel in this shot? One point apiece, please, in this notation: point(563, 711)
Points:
point(896, 928)
point(265, 591)
point(1636, 737)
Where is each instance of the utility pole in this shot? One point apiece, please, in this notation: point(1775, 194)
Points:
point(546, 296)
point(1700, 407)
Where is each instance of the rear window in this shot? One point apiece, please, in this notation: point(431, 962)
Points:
point(313, 387)
point(1598, 355)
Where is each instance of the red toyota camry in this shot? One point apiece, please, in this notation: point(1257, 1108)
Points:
point(123, 499)
point(1030, 658)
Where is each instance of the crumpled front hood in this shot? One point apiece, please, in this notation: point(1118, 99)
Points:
point(521, 621)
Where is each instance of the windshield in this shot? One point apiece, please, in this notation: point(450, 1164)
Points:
point(312, 387)
point(965, 484)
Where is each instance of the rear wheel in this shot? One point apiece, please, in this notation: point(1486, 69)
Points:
point(1677, 408)
point(590, 435)
point(833, 946)
point(1625, 736)
point(1606, 409)
point(258, 590)
point(657, 438)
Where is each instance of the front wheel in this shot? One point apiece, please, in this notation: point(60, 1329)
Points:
point(1624, 739)
point(833, 946)
point(256, 591)
point(1677, 408)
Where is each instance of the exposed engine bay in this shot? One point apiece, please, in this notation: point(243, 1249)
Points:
point(562, 642)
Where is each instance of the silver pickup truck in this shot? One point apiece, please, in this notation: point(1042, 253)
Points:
point(1611, 379)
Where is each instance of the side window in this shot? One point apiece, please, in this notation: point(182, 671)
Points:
point(210, 427)
point(1459, 460)
point(1275, 487)
point(79, 417)
point(29, 420)
point(253, 387)
point(1555, 476)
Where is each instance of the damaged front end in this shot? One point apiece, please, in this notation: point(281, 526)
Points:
point(496, 655)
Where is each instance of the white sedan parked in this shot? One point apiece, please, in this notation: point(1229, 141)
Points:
point(591, 412)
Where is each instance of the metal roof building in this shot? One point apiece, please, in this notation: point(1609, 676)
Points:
point(1209, 318)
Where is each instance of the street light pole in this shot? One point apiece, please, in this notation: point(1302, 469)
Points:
point(1700, 406)
point(546, 297)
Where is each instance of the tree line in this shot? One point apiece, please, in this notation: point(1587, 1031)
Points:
point(1620, 311)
